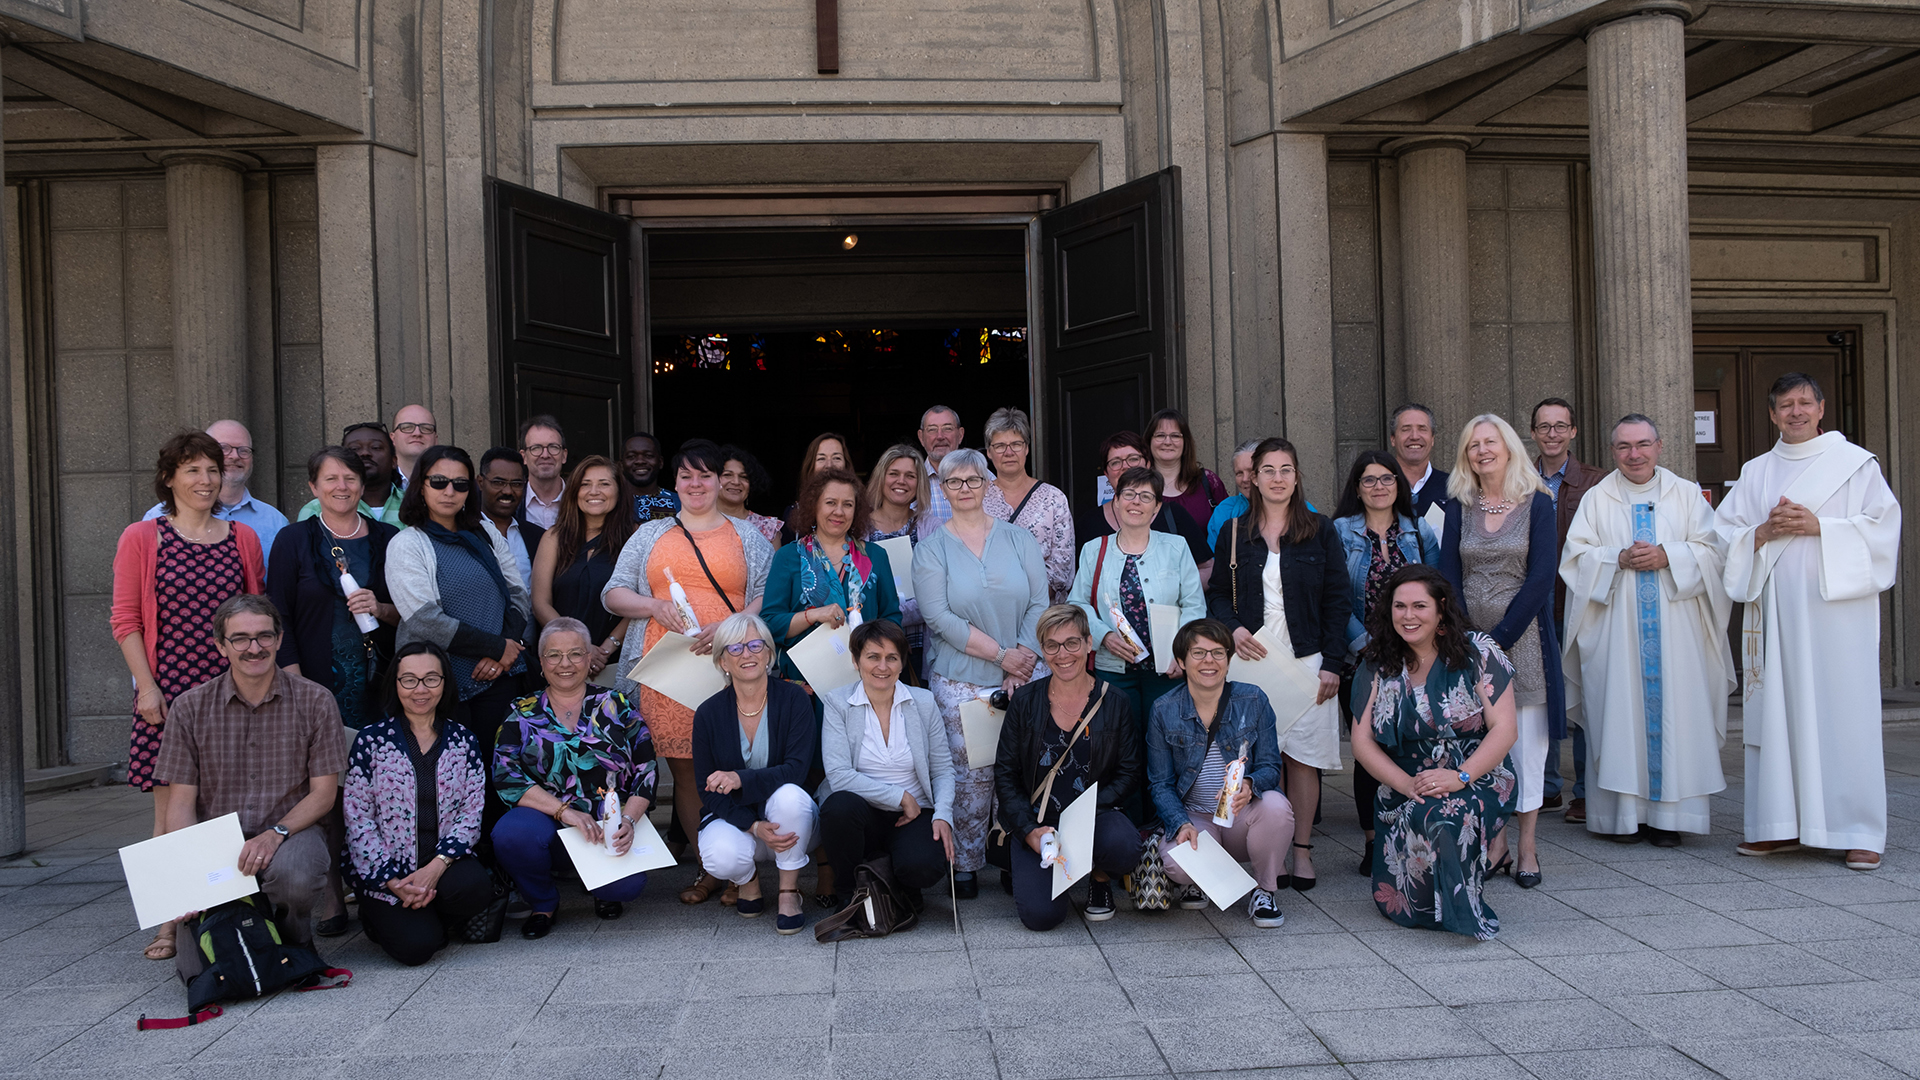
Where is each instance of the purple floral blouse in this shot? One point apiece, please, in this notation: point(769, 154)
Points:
point(1047, 516)
point(609, 747)
point(379, 794)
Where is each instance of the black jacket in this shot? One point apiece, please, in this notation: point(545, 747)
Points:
point(716, 746)
point(1433, 491)
point(1017, 772)
point(303, 583)
point(1313, 576)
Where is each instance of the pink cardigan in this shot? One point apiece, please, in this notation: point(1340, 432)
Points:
point(136, 606)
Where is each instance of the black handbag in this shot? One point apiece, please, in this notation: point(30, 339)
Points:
point(485, 926)
point(878, 907)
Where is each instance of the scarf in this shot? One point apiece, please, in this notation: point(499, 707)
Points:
point(820, 585)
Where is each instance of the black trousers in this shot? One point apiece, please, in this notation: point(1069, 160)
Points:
point(413, 935)
point(482, 714)
point(1116, 849)
point(1365, 787)
point(852, 829)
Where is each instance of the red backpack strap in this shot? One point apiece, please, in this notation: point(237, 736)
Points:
point(166, 1023)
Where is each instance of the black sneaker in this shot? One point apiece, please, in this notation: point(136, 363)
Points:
point(1099, 901)
point(333, 927)
point(1263, 911)
point(1192, 899)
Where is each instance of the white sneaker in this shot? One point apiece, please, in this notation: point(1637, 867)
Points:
point(1262, 909)
point(1192, 899)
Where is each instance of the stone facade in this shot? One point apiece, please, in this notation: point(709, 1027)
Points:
point(1379, 200)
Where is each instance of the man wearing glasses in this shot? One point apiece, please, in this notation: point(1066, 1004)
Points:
point(236, 503)
point(413, 433)
point(369, 440)
point(545, 451)
point(503, 480)
point(940, 432)
point(1569, 479)
point(267, 745)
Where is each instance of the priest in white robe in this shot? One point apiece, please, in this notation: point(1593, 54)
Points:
point(1646, 659)
point(1812, 534)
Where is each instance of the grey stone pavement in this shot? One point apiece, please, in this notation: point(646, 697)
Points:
point(1630, 961)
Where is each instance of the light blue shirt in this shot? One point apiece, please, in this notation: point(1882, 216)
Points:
point(1002, 594)
point(1230, 507)
point(1555, 478)
point(265, 521)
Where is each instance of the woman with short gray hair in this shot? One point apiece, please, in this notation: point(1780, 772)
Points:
point(982, 585)
point(1019, 499)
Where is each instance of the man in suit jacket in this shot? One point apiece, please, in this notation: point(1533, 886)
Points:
point(1569, 479)
point(1410, 437)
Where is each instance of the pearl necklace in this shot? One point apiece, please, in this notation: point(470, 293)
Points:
point(1496, 507)
point(358, 524)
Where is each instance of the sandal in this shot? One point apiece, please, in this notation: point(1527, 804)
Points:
point(1299, 883)
point(701, 890)
point(162, 946)
point(1504, 866)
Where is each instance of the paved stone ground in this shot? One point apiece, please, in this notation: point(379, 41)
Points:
point(1629, 962)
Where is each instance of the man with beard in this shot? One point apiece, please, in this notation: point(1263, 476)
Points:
point(503, 482)
point(368, 439)
point(236, 503)
point(640, 460)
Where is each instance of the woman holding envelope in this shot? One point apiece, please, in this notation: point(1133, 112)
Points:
point(1284, 597)
point(414, 789)
point(720, 565)
point(1121, 578)
point(560, 752)
point(1434, 728)
point(752, 746)
point(982, 585)
point(889, 787)
point(831, 571)
point(1195, 738)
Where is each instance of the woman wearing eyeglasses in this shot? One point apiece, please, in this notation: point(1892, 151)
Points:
point(752, 746)
point(460, 589)
point(561, 751)
point(1037, 507)
point(414, 793)
point(1377, 528)
point(982, 585)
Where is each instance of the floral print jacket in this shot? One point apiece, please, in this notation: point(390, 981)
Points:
point(610, 747)
point(380, 799)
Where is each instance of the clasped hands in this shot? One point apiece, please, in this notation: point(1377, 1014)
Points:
point(1643, 556)
point(1787, 519)
point(418, 889)
point(1432, 782)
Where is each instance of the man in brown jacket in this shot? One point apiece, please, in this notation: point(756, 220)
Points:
point(1569, 480)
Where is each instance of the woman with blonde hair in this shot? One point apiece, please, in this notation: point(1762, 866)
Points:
point(1503, 573)
point(897, 492)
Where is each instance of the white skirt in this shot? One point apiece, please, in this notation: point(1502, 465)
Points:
point(1529, 756)
point(1314, 739)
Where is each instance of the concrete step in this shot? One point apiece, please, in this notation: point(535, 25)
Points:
point(67, 777)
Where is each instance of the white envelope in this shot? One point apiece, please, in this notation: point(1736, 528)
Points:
point(1290, 682)
point(980, 724)
point(825, 658)
point(193, 869)
point(1218, 874)
point(1163, 623)
point(899, 551)
point(672, 668)
point(1076, 840)
point(1436, 518)
point(597, 866)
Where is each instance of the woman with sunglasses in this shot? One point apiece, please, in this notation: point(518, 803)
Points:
point(982, 584)
point(460, 589)
point(1377, 528)
point(414, 791)
point(752, 746)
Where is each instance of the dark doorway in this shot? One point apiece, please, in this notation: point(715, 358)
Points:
point(1732, 369)
point(773, 392)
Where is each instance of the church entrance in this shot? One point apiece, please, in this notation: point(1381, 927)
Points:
point(1732, 368)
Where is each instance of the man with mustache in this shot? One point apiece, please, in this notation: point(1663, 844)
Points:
point(267, 745)
point(940, 432)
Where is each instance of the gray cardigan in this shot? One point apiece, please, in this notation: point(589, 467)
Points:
point(631, 572)
point(414, 583)
point(1002, 594)
point(844, 730)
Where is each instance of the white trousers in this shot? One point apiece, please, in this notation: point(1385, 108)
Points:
point(731, 855)
point(1529, 755)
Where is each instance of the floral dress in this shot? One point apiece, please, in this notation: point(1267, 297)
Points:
point(191, 581)
point(1431, 856)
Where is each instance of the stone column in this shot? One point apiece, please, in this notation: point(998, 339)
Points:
point(13, 711)
point(207, 234)
point(1433, 281)
point(1643, 316)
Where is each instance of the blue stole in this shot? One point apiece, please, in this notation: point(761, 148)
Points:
point(1647, 591)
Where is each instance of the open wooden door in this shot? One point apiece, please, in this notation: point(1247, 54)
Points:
point(1110, 354)
point(563, 338)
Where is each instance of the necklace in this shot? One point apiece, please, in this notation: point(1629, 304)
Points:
point(358, 524)
point(212, 522)
point(1493, 506)
point(751, 713)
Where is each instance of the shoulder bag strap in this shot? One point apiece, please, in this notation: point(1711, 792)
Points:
point(1099, 561)
point(1233, 562)
point(1086, 718)
point(715, 582)
point(1027, 498)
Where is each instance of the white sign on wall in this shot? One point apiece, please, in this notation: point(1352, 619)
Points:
point(1704, 426)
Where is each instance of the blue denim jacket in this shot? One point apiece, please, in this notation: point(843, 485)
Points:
point(1417, 543)
point(1177, 746)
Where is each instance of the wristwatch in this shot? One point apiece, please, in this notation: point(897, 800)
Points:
point(282, 830)
point(444, 861)
point(1466, 778)
point(1000, 657)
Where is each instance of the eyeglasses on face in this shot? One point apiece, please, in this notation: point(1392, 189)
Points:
point(1555, 428)
point(236, 451)
point(411, 428)
point(1007, 446)
point(414, 682)
point(1206, 654)
point(246, 642)
point(1279, 470)
point(1138, 495)
point(940, 429)
point(1072, 644)
point(1378, 482)
point(971, 483)
point(756, 647)
point(458, 483)
point(571, 656)
point(1131, 461)
point(546, 449)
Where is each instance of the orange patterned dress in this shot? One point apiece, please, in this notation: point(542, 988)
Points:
point(671, 722)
